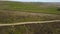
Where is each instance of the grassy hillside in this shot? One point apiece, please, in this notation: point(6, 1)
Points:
point(11, 12)
point(21, 12)
point(29, 7)
point(46, 28)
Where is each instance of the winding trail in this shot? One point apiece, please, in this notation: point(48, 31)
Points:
point(21, 23)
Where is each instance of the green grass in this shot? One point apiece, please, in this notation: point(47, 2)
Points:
point(28, 7)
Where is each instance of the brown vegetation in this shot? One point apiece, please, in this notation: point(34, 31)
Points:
point(16, 16)
point(45, 28)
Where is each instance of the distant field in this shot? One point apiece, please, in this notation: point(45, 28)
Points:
point(29, 7)
point(11, 12)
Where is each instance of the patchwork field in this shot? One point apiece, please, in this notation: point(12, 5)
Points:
point(30, 7)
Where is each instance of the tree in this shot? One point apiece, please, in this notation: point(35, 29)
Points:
point(58, 9)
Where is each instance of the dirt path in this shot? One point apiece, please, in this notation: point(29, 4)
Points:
point(21, 23)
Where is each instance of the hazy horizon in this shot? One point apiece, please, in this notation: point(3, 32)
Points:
point(33, 0)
